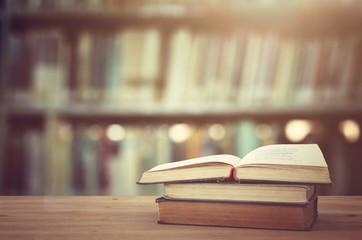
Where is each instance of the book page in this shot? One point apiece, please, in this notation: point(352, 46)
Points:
point(222, 158)
point(286, 154)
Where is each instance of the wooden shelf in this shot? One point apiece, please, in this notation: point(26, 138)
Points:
point(111, 20)
point(160, 113)
point(317, 19)
point(108, 21)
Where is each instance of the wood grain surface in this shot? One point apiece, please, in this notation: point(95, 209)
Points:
point(112, 217)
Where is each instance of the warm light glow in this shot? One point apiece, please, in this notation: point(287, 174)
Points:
point(179, 132)
point(216, 131)
point(297, 130)
point(350, 130)
point(115, 132)
point(263, 131)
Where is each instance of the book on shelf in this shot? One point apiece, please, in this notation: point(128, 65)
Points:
point(41, 55)
point(118, 68)
point(140, 67)
point(286, 193)
point(296, 216)
point(293, 163)
point(266, 68)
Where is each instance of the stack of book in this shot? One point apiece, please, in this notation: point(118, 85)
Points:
point(271, 187)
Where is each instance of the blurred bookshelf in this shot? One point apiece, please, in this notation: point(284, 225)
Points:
point(93, 93)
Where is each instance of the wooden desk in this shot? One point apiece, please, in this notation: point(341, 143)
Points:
point(105, 217)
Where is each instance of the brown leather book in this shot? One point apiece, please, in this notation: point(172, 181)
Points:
point(238, 214)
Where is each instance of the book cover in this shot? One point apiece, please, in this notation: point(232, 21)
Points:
point(238, 214)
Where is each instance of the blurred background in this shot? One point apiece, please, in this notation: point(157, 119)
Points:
point(95, 92)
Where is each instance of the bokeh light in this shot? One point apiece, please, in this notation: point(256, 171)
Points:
point(297, 130)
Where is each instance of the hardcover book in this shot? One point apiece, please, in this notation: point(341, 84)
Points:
point(238, 214)
point(286, 193)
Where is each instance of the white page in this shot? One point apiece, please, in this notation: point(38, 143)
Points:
point(222, 158)
point(290, 154)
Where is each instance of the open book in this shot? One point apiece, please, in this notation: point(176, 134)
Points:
point(295, 163)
